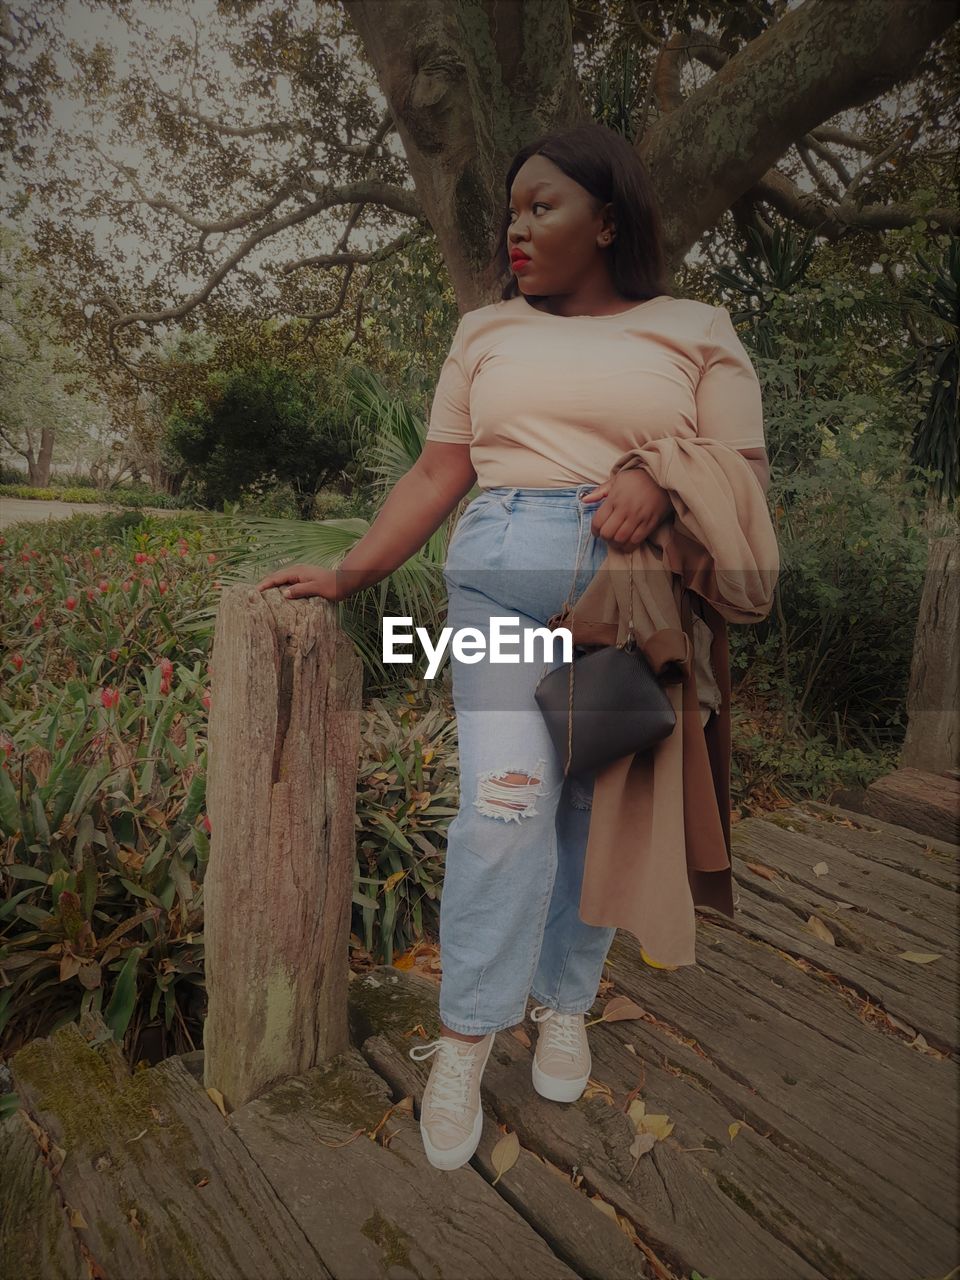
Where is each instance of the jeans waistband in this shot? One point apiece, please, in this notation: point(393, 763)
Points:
point(568, 496)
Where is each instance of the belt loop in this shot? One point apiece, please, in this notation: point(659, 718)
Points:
point(506, 499)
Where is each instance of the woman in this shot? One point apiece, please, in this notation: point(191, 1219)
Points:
point(585, 356)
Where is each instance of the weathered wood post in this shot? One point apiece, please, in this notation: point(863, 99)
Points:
point(283, 744)
point(923, 792)
point(932, 740)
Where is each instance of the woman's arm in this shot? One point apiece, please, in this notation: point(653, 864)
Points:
point(415, 508)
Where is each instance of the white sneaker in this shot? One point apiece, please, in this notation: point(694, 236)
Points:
point(451, 1117)
point(561, 1059)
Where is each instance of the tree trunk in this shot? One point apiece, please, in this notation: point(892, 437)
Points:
point(39, 466)
point(284, 737)
point(470, 81)
point(932, 741)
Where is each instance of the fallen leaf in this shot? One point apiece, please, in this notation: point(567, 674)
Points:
point(636, 1111)
point(660, 1126)
point(816, 926)
point(766, 872)
point(820, 869)
point(901, 1026)
point(604, 1206)
point(642, 1143)
point(77, 1219)
point(217, 1097)
point(505, 1155)
point(734, 1129)
point(618, 1008)
point(918, 957)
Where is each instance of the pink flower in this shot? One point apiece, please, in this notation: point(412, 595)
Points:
point(114, 654)
point(126, 584)
point(164, 686)
point(38, 621)
point(109, 697)
point(166, 668)
point(17, 661)
point(140, 557)
point(24, 555)
point(162, 587)
point(212, 558)
point(90, 593)
point(206, 824)
point(71, 602)
point(104, 585)
point(28, 590)
point(97, 551)
point(206, 699)
point(183, 552)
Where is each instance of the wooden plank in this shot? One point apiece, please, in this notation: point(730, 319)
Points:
point(895, 910)
point(681, 1218)
point(589, 1241)
point(851, 1134)
point(166, 1188)
point(36, 1239)
point(930, 858)
point(926, 802)
point(375, 1207)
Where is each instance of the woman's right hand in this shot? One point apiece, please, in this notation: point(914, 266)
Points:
point(299, 580)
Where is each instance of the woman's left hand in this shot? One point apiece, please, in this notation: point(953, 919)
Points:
point(634, 506)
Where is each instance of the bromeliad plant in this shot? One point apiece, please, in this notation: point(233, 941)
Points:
point(104, 838)
point(407, 792)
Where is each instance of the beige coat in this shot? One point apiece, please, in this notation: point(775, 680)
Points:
point(659, 840)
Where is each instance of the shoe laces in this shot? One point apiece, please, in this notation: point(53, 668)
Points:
point(561, 1030)
point(450, 1079)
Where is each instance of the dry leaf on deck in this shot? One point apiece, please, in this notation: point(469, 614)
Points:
point(505, 1154)
point(621, 1007)
point(217, 1097)
point(816, 926)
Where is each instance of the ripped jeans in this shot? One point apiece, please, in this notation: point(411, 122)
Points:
point(509, 919)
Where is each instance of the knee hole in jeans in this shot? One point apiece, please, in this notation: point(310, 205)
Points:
point(509, 794)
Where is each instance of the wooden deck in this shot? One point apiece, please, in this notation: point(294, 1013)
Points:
point(809, 1071)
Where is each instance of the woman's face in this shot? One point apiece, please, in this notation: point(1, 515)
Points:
point(552, 221)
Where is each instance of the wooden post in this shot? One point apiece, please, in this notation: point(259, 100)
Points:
point(932, 740)
point(284, 734)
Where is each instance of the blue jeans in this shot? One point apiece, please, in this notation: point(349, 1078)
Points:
point(509, 918)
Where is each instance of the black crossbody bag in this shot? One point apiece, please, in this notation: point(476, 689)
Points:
point(606, 703)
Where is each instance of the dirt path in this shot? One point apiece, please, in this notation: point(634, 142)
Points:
point(13, 510)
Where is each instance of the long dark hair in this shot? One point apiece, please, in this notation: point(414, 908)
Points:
point(606, 165)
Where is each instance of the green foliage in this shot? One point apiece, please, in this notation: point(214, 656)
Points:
point(261, 422)
point(104, 838)
point(129, 497)
point(407, 792)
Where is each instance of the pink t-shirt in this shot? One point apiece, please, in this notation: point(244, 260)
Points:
point(549, 401)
